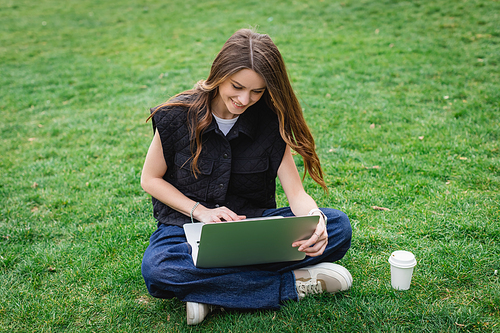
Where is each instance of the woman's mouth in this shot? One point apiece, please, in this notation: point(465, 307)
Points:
point(239, 106)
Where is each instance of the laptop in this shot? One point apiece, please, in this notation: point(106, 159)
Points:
point(248, 242)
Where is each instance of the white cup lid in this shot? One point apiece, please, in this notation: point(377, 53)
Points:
point(402, 259)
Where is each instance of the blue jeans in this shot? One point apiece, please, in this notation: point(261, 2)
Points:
point(168, 269)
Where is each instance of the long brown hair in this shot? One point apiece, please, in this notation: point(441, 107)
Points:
point(246, 49)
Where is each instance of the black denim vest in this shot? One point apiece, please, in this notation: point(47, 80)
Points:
point(237, 171)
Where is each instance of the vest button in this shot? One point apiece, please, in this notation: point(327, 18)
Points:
point(225, 156)
point(221, 185)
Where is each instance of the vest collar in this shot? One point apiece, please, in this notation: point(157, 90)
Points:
point(246, 124)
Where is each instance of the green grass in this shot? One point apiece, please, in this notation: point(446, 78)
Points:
point(403, 99)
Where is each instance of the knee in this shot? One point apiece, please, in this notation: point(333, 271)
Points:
point(166, 263)
point(149, 268)
point(155, 278)
point(155, 267)
point(338, 224)
point(346, 226)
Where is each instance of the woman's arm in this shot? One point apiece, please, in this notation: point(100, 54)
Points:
point(301, 203)
point(153, 183)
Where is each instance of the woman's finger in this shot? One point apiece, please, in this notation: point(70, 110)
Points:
point(228, 215)
point(318, 236)
point(311, 247)
point(316, 247)
point(308, 243)
point(316, 250)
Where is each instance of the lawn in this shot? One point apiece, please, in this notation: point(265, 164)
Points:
point(403, 98)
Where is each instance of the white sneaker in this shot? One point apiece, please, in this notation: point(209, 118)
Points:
point(196, 312)
point(323, 277)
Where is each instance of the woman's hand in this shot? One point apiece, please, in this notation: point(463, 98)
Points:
point(220, 214)
point(314, 246)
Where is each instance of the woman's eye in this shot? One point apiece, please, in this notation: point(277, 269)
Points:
point(235, 87)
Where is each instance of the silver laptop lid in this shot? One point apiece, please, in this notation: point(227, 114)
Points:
point(250, 242)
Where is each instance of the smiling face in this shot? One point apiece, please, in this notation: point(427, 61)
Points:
point(237, 93)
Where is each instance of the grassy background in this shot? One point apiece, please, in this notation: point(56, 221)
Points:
point(402, 97)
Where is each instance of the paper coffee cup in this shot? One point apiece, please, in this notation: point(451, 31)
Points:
point(402, 263)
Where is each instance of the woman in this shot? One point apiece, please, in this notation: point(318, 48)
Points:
point(216, 153)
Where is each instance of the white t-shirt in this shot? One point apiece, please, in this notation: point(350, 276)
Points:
point(225, 125)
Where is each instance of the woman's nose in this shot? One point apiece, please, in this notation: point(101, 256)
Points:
point(244, 98)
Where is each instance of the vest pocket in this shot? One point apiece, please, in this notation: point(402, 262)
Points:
point(186, 182)
point(249, 177)
point(250, 165)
